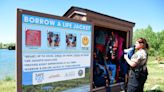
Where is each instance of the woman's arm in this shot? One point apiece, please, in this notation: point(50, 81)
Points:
point(130, 62)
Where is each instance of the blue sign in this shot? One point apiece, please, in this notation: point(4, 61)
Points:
point(54, 50)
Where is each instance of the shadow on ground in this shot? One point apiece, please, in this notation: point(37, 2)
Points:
point(161, 63)
point(153, 91)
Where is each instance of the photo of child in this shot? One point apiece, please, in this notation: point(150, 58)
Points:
point(56, 39)
point(50, 37)
point(71, 40)
point(53, 39)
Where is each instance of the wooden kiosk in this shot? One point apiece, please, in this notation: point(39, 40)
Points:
point(105, 26)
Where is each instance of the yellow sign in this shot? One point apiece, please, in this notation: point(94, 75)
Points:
point(85, 40)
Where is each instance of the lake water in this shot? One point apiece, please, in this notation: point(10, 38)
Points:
point(7, 63)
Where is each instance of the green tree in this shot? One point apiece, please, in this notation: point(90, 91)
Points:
point(146, 33)
point(155, 40)
point(151, 37)
point(0, 45)
point(160, 37)
point(161, 51)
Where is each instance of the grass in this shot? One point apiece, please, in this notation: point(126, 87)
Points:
point(156, 74)
point(8, 85)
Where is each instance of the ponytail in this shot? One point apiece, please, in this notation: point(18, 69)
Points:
point(147, 46)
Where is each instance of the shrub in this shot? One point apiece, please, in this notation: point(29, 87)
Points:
point(7, 78)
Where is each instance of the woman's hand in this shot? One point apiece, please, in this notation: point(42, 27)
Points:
point(126, 56)
point(131, 63)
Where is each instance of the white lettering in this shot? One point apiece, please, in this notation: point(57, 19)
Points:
point(41, 21)
point(37, 20)
point(31, 20)
point(66, 24)
point(46, 22)
point(52, 23)
point(25, 19)
point(59, 24)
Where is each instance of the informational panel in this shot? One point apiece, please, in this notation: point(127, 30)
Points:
point(53, 49)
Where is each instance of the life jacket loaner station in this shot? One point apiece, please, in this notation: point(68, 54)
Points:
point(82, 50)
point(111, 35)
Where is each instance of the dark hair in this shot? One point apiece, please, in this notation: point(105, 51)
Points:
point(143, 40)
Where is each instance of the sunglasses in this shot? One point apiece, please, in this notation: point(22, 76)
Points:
point(140, 42)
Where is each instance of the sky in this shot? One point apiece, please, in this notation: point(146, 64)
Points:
point(141, 12)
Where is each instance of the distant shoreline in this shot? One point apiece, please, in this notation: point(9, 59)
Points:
point(9, 48)
point(3, 48)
